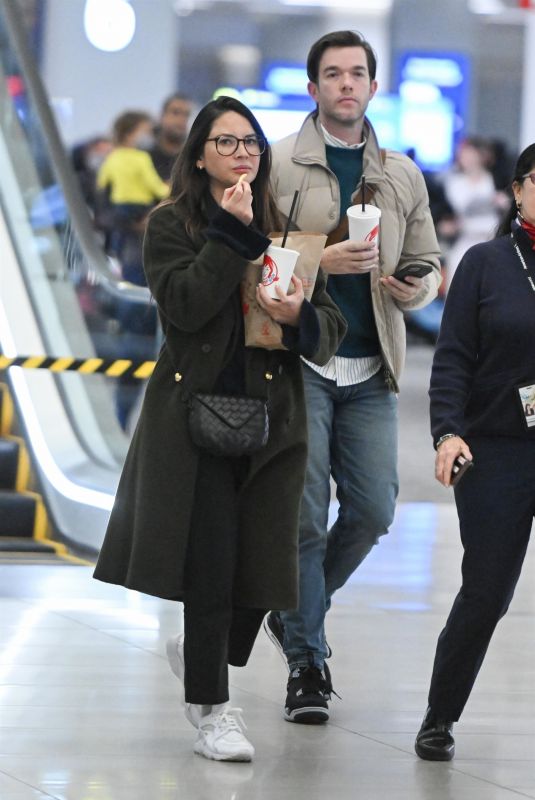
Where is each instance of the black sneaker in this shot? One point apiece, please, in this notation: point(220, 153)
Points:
point(309, 691)
point(275, 630)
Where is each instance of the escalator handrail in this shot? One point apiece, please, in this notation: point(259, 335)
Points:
point(78, 212)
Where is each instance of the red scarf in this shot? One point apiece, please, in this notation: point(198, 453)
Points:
point(530, 230)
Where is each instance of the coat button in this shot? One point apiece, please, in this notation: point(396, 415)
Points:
point(206, 348)
point(178, 377)
point(268, 376)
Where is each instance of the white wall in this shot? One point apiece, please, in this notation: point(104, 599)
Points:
point(88, 87)
point(375, 28)
point(527, 132)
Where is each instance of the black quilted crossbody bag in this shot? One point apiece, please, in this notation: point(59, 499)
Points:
point(228, 425)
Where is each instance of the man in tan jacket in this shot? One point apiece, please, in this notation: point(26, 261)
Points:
point(351, 402)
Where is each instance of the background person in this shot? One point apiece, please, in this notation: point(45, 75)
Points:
point(218, 533)
point(470, 190)
point(484, 354)
point(351, 402)
point(87, 158)
point(133, 188)
point(170, 134)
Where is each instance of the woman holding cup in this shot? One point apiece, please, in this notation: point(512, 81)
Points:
point(189, 525)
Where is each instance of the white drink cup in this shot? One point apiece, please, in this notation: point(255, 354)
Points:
point(364, 225)
point(278, 267)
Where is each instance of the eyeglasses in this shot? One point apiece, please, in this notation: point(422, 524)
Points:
point(226, 145)
point(531, 176)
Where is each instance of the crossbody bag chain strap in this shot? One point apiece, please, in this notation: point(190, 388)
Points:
point(523, 262)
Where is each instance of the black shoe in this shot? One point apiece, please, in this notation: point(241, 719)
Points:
point(309, 691)
point(435, 741)
point(275, 630)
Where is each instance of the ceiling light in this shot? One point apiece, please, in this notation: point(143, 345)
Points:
point(109, 24)
point(358, 6)
point(486, 6)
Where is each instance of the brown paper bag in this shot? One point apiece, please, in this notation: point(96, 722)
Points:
point(260, 329)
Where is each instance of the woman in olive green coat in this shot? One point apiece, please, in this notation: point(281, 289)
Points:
point(218, 533)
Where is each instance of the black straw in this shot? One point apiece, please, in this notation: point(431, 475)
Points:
point(290, 215)
point(363, 190)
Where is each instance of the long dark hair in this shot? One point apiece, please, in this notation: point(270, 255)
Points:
point(190, 186)
point(525, 164)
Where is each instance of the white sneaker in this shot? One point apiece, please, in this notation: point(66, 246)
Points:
point(221, 736)
point(175, 655)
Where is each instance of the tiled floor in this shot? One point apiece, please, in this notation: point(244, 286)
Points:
point(89, 708)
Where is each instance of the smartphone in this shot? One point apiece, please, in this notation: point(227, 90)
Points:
point(414, 270)
point(460, 466)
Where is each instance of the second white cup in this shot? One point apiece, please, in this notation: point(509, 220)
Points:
point(277, 269)
point(364, 225)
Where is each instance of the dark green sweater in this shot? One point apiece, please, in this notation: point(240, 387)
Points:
point(351, 293)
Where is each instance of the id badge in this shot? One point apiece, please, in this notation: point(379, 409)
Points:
point(526, 397)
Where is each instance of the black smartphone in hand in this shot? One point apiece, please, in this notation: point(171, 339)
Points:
point(460, 466)
point(412, 270)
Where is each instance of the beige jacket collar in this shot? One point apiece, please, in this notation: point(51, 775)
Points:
point(310, 148)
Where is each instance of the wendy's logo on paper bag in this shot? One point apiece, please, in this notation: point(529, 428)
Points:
point(270, 271)
point(373, 234)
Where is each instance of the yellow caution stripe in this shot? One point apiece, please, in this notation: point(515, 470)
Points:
point(22, 479)
point(6, 410)
point(114, 368)
point(40, 533)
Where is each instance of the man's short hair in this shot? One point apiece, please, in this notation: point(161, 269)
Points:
point(175, 96)
point(339, 39)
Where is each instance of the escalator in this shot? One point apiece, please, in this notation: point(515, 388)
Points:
point(23, 519)
point(24, 524)
point(59, 296)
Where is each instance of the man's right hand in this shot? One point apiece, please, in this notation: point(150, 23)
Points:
point(350, 258)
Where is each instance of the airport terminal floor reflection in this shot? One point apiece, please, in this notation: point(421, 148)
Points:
point(89, 709)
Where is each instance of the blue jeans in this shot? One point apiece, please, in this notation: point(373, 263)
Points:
point(352, 433)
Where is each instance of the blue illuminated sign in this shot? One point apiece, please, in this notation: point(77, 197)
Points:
point(447, 72)
point(423, 123)
point(286, 79)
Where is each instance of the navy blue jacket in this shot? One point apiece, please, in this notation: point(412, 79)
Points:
point(486, 344)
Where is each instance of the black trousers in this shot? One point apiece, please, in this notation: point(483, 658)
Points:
point(496, 505)
point(217, 632)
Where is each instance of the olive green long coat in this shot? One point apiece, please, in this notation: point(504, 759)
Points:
point(194, 283)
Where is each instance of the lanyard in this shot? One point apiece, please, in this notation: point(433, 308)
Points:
point(523, 262)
